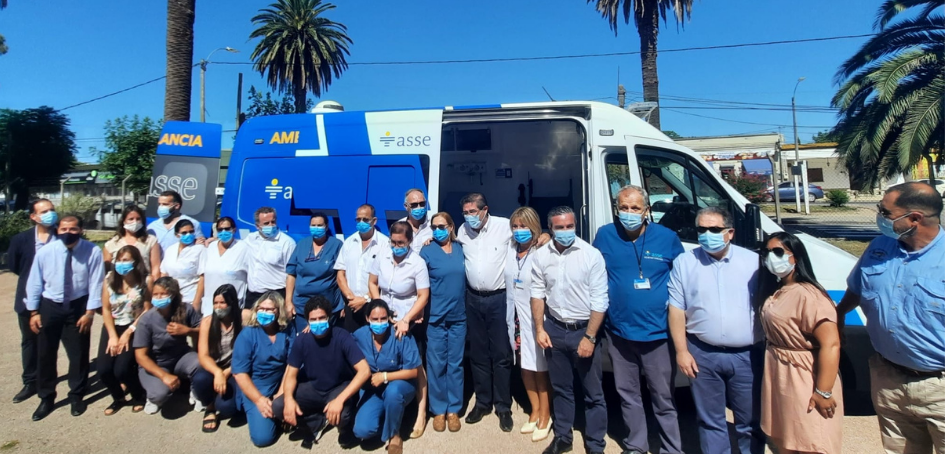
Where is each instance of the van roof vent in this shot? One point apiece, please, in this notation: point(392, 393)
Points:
point(328, 107)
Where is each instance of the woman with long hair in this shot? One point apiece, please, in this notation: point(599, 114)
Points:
point(214, 384)
point(185, 262)
point(132, 232)
point(226, 263)
point(125, 298)
point(802, 398)
point(311, 272)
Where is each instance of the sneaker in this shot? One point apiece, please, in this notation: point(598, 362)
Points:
point(198, 406)
point(151, 407)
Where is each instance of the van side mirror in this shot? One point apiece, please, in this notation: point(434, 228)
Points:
point(748, 232)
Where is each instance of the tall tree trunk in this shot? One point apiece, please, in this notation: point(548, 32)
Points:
point(300, 95)
point(649, 29)
point(180, 59)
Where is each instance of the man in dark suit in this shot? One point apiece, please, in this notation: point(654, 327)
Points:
point(23, 247)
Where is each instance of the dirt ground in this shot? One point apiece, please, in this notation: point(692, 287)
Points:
point(176, 430)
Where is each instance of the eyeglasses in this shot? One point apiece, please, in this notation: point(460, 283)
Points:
point(225, 229)
point(702, 229)
point(777, 251)
point(417, 204)
point(368, 220)
point(270, 310)
point(441, 227)
point(471, 213)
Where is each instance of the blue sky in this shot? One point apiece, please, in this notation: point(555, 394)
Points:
point(63, 52)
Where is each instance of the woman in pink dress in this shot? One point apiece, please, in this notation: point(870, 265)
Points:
point(801, 395)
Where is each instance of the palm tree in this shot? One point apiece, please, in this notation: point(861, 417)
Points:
point(892, 91)
point(180, 59)
point(646, 16)
point(300, 49)
point(3, 41)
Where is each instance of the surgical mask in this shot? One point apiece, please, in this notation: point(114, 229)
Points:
point(221, 313)
point(886, 226)
point(187, 239)
point(161, 302)
point(48, 219)
point(418, 213)
point(318, 328)
point(565, 237)
point(399, 251)
point(265, 318)
point(225, 236)
point(380, 328)
point(712, 242)
point(631, 221)
point(522, 236)
point(473, 221)
point(164, 211)
point(69, 238)
point(269, 231)
point(441, 235)
point(317, 232)
point(124, 268)
point(779, 266)
point(133, 227)
point(364, 227)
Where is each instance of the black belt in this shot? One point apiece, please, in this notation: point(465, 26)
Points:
point(485, 294)
point(913, 372)
point(707, 346)
point(573, 326)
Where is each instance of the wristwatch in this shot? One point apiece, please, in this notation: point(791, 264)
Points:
point(591, 338)
point(385, 378)
point(824, 394)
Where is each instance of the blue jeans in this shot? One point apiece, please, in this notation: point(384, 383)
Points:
point(262, 431)
point(382, 409)
point(446, 343)
point(225, 405)
point(728, 377)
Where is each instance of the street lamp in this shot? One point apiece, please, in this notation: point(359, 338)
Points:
point(797, 151)
point(203, 81)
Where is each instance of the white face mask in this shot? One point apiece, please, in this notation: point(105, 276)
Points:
point(133, 227)
point(779, 266)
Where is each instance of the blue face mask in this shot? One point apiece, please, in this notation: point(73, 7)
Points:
point(124, 268)
point(187, 239)
point(418, 213)
point(164, 212)
point(380, 328)
point(522, 236)
point(269, 231)
point(364, 227)
point(161, 302)
point(317, 232)
point(400, 251)
point(631, 221)
point(473, 221)
point(565, 237)
point(48, 219)
point(712, 242)
point(265, 318)
point(225, 236)
point(318, 328)
point(441, 235)
point(887, 226)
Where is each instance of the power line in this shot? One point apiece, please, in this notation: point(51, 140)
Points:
point(743, 122)
point(119, 91)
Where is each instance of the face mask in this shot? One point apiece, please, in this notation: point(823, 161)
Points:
point(318, 328)
point(265, 318)
point(418, 213)
point(712, 242)
point(69, 238)
point(779, 266)
point(380, 328)
point(522, 236)
point(631, 221)
point(221, 313)
point(133, 227)
point(164, 212)
point(317, 232)
point(161, 302)
point(364, 227)
point(565, 237)
point(124, 268)
point(48, 219)
point(473, 221)
point(886, 226)
point(225, 236)
point(269, 231)
point(399, 251)
point(441, 235)
point(187, 239)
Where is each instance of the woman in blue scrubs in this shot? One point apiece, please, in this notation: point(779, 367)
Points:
point(311, 272)
point(446, 332)
point(394, 365)
point(259, 360)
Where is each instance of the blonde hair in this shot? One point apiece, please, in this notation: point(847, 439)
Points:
point(529, 217)
point(279, 301)
point(449, 222)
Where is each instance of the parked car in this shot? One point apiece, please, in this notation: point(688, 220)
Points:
point(786, 192)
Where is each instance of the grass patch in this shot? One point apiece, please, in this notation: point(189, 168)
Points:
point(9, 445)
point(857, 248)
point(769, 209)
point(99, 236)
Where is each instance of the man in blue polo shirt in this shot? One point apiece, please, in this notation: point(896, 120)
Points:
point(900, 285)
point(639, 257)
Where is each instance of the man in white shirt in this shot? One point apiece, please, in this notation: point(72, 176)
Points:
point(169, 212)
point(354, 264)
point(569, 278)
point(416, 205)
point(270, 251)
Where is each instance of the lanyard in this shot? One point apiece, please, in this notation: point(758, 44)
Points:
point(638, 255)
point(521, 263)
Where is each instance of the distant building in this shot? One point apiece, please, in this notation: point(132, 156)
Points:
point(734, 156)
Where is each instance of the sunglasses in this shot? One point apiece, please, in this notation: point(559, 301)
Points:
point(226, 229)
point(777, 251)
point(186, 232)
point(368, 220)
point(417, 204)
point(441, 227)
point(701, 229)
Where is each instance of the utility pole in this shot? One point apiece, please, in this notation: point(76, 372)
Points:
point(203, 81)
point(797, 151)
point(239, 100)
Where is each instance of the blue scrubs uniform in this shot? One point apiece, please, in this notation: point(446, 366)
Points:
point(446, 332)
point(382, 409)
point(264, 361)
point(315, 275)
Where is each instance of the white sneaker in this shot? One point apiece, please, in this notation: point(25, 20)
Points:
point(198, 406)
point(151, 407)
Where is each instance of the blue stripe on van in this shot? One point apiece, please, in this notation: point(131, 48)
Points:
point(853, 317)
point(346, 134)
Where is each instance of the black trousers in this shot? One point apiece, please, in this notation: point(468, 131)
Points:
point(490, 354)
point(251, 298)
point(28, 351)
point(59, 326)
point(115, 370)
point(312, 402)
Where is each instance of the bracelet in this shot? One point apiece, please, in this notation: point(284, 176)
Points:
point(132, 328)
point(385, 378)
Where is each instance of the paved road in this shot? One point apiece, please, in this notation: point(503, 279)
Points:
point(178, 431)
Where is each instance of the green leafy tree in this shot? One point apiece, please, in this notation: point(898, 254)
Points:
point(646, 16)
point(752, 187)
point(260, 105)
point(36, 147)
point(892, 92)
point(825, 137)
point(180, 59)
point(299, 51)
point(130, 146)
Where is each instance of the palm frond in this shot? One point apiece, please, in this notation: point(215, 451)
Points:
point(613, 10)
point(923, 124)
point(902, 36)
point(891, 8)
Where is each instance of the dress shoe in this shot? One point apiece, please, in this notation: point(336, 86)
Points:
point(78, 407)
point(452, 422)
point(347, 440)
point(25, 393)
point(439, 423)
point(540, 434)
point(529, 427)
point(557, 446)
point(44, 409)
point(476, 415)
point(505, 421)
point(632, 451)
